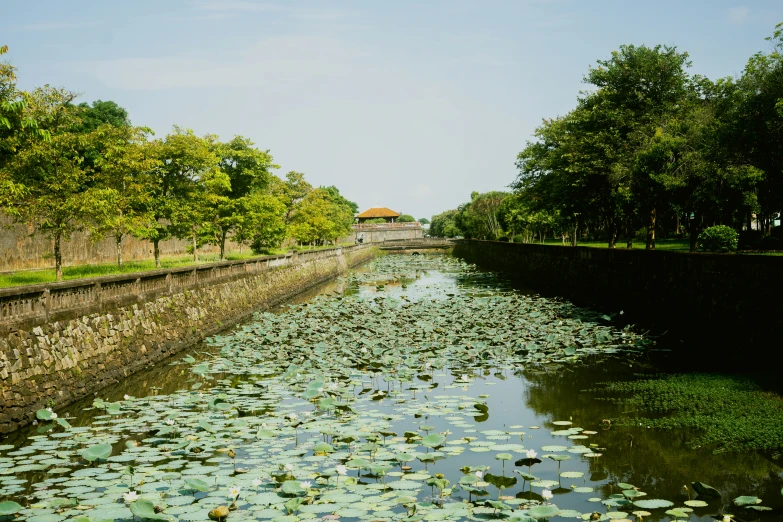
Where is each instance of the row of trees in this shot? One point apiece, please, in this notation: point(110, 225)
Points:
point(67, 167)
point(649, 146)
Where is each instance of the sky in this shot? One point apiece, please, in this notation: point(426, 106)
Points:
point(410, 105)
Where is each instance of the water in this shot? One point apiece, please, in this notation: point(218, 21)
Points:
point(522, 401)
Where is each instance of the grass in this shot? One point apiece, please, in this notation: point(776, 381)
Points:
point(33, 277)
point(672, 245)
point(728, 414)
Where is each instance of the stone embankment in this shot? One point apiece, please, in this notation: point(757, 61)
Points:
point(62, 341)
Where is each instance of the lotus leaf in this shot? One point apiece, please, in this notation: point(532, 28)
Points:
point(145, 510)
point(98, 452)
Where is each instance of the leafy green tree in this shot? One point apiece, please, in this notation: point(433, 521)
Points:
point(424, 221)
point(479, 218)
point(101, 113)
point(291, 191)
point(405, 218)
point(339, 199)
point(186, 186)
point(249, 173)
point(264, 222)
point(375, 221)
point(445, 225)
point(51, 189)
point(318, 219)
point(124, 166)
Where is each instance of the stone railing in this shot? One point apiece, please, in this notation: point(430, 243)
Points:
point(47, 302)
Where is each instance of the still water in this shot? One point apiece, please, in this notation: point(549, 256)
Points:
point(395, 354)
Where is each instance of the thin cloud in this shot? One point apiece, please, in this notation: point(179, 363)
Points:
point(738, 15)
point(53, 26)
point(276, 61)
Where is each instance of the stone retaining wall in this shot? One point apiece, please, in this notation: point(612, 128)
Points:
point(63, 341)
point(717, 308)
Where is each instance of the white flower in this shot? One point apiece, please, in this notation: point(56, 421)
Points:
point(130, 496)
point(308, 413)
point(49, 410)
point(234, 492)
point(726, 518)
point(289, 467)
point(621, 312)
point(257, 482)
point(465, 377)
point(546, 494)
point(531, 454)
point(293, 416)
point(126, 397)
point(333, 385)
point(320, 390)
point(341, 470)
point(305, 485)
point(200, 394)
point(54, 416)
point(479, 474)
point(170, 422)
point(364, 350)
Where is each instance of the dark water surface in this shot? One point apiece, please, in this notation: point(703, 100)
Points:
point(522, 404)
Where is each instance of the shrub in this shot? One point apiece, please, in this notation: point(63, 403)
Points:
point(770, 243)
point(719, 238)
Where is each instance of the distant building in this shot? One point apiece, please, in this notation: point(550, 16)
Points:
point(378, 212)
point(388, 231)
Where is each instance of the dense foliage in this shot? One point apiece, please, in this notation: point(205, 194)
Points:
point(66, 167)
point(649, 149)
point(719, 238)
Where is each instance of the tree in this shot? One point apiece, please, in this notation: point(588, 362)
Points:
point(101, 113)
point(52, 190)
point(405, 218)
point(291, 191)
point(318, 219)
point(424, 221)
point(263, 222)
point(186, 185)
point(124, 162)
point(248, 172)
point(479, 218)
point(445, 225)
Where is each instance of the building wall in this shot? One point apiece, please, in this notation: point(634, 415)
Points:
point(62, 341)
point(386, 232)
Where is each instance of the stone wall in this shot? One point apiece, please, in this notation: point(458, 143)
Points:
point(386, 232)
point(721, 307)
point(63, 341)
point(21, 250)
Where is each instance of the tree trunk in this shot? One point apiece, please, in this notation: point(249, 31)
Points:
point(156, 249)
point(749, 221)
point(118, 243)
point(677, 227)
point(195, 248)
point(612, 231)
point(573, 238)
point(651, 230)
point(58, 259)
point(222, 244)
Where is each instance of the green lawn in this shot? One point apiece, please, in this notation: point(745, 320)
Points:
point(674, 245)
point(32, 277)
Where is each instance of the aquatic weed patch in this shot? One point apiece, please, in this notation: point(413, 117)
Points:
point(728, 413)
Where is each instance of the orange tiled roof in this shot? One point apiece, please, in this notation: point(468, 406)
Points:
point(379, 212)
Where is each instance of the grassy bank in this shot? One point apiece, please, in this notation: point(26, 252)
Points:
point(727, 413)
point(674, 245)
point(33, 277)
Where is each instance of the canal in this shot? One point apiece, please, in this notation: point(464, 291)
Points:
point(414, 388)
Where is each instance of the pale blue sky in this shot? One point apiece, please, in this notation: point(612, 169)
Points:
point(405, 104)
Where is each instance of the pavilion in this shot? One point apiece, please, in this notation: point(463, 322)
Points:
point(378, 212)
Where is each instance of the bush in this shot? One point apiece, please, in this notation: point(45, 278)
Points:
point(718, 239)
